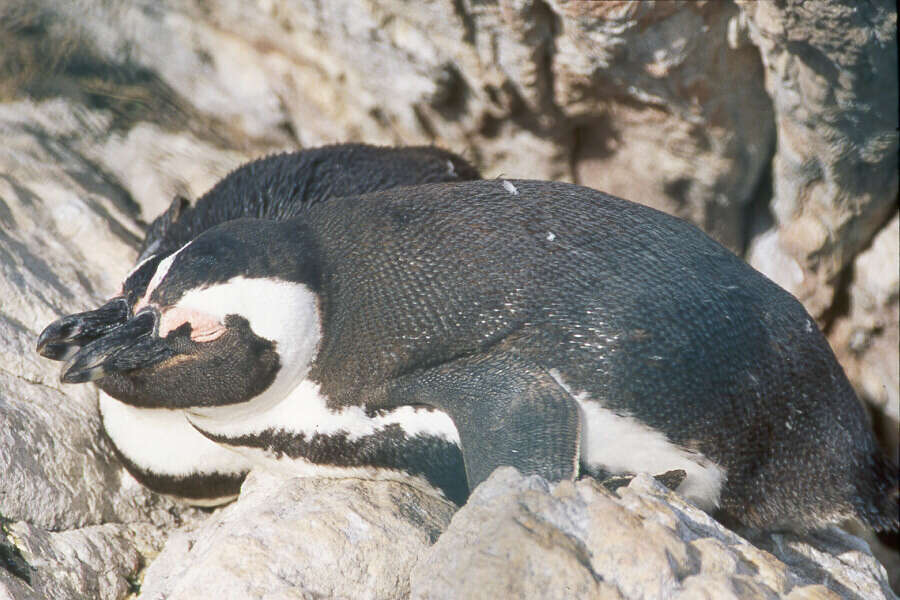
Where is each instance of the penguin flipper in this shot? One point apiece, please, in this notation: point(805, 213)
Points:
point(507, 412)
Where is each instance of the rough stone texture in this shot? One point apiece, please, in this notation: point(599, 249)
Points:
point(867, 336)
point(61, 222)
point(560, 90)
point(302, 538)
point(520, 537)
point(73, 522)
point(100, 561)
point(669, 106)
point(831, 69)
point(110, 108)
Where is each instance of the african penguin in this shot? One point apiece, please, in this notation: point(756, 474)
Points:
point(442, 330)
point(276, 187)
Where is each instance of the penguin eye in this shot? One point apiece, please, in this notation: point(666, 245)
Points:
point(204, 326)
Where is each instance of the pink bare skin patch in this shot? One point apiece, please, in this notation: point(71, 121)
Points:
point(204, 326)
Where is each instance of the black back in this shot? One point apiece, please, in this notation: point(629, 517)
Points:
point(641, 310)
point(282, 186)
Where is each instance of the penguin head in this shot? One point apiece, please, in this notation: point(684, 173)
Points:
point(231, 315)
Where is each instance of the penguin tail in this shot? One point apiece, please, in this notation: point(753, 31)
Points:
point(878, 495)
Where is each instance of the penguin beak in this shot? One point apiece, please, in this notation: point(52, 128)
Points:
point(132, 345)
point(62, 338)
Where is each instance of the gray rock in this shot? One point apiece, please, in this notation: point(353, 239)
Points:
point(302, 538)
point(68, 236)
point(100, 561)
point(108, 109)
point(522, 87)
point(659, 90)
point(75, 525)
point(867, 337)
point(520, 537)
point(835, 169)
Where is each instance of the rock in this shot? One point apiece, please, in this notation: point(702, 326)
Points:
point(520, 537)
point(525, 88)
point(302, 538)
point(660, 92)
point(867, 337)
point(100, 561)
point(74, 524)
point(68, 236)
point(835, 169)
point(109, 109)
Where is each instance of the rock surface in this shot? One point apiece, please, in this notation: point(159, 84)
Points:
point(100, 561)
point(302, 538)
point(520, 537)
point(835, 175)
point(867, 335)
point(74, 524)
point(109, 109)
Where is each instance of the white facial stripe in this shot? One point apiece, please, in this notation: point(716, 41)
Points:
point(162, 441)
point(133, 270)
point(162, 269)
point(280, 311)
point(305, 412)
point(276, 309)
point(622, 444)
point(152, 248)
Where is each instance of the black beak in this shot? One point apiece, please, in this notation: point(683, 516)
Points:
point(61, 339)
point(132, 345)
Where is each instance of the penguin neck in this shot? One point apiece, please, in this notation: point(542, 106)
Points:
point(270, 410)
point(305, 412)
point(242, 412)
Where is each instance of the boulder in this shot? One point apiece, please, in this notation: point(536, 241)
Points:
point(302, 538)
point(73, 523)
point(867, 334)
point(520, 537)
point(834, 173)
point(772, 125)
point(98, 561)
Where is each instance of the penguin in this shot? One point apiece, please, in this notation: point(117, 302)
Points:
point(438, 331)
point(275, 187)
